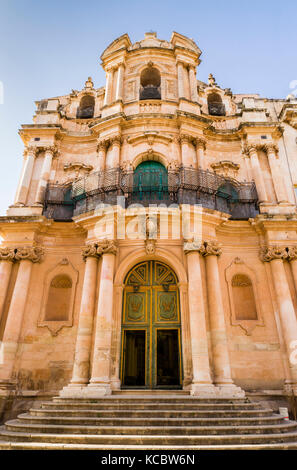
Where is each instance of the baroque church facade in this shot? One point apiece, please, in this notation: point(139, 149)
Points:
point(152, 242)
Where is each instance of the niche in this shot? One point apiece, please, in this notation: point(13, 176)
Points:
point(58, 297)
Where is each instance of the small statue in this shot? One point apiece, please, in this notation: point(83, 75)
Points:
point(211, 80)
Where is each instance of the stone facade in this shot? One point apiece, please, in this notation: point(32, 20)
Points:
point(63, 273)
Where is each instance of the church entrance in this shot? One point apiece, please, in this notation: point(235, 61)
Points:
point(151, 329)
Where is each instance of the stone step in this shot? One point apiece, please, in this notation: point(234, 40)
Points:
point(157, 413)
point(153, 393)
point(114, 447)
point(20, 426)
point(150, 399)
point(31, 418)
point(158, 440)
point(152, 406)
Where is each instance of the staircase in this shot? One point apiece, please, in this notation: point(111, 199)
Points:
point(149, 421)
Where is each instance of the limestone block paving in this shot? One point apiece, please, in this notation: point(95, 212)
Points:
point(147, 420)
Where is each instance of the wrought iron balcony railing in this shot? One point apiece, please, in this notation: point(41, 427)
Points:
point(184, 186)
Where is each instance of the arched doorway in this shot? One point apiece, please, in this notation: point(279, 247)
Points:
point(151, 328)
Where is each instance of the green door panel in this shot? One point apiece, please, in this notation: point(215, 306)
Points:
point(151, 305)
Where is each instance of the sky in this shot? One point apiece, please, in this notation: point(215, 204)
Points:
point(49, 47)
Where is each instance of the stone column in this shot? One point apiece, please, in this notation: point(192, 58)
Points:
point(81, 368)
point(201, 382)
point(180, 80)
point(108, 88)
point(257, 173)
point(101, 367)
point(120, 82)
point(200, 149)
point(24, 185)
point(277, 176)
point(27, 256)
point(6, 261)
point(275, 255)
point(116, 142)
point(102, 149)
point(292, 257)
point(193, 84)
point(185, 141)
point(221, 361)
point(45, 174)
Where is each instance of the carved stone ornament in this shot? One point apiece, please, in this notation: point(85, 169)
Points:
point(211, 80)
point(211, 248)
point(90, 251)
point(106, 246)
point(103, 145)
point(30, 149)
point(226, 168)
point(273, 252)
point(174, 165)
point(200, 143)
point(292, 253)
point(31, 253)
point(151, 226)
point(116, 140)
point(126, 166)
point(248, 149)
point(150, 246)
point(7, 254)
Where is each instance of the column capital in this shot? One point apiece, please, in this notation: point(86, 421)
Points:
point(31, 253)
point(191, 246)
point(90, 251)
point(96, 250)
point(30, 149)
point(200, 142)
point(292, 253)
point(116, 140)
point(103, 144)
point(7, 254)
point(248, 149)
point(271, 148)
point(53, 149)
point(185, 139)
point(271, 253)
point(211, 248)
point(205, 248)
point(106, 246)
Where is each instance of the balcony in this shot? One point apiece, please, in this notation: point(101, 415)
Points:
point(184, 186)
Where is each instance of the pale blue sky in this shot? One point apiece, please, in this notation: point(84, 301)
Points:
point(49, 47)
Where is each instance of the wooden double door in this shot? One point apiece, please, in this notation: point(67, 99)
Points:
point(151, 328)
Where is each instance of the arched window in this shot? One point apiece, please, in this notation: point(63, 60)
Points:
point(215, 105)
point(150, 84)
point(227, 191)
point(86, 107)
point(150, 180)
point(58, 301)
point(243, 298)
